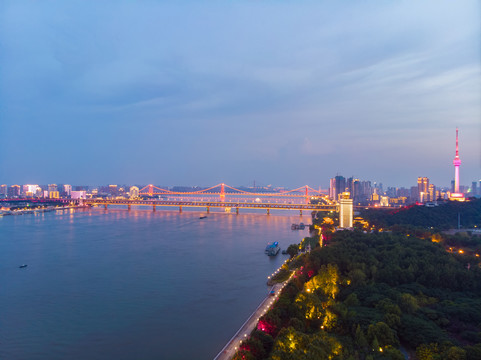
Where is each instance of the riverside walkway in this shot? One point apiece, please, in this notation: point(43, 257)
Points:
point(230, 349)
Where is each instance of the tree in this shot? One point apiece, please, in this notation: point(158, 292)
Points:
point(293, 250)
point(360, 339)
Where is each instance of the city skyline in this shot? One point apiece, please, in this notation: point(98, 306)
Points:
point(280, 93)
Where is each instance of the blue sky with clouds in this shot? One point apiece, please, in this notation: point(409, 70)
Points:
point(197, 93)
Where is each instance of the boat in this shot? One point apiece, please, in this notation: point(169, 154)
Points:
point(23, 266)
point(294, 227)
point(203, 217)
point(272, 249)
point(302, 226)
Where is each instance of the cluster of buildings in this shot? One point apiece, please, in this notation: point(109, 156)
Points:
point(372, 194)
point(65, 191)
point(51, 191)
point(367, 193)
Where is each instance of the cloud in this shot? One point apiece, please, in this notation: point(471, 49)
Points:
point(265, 82)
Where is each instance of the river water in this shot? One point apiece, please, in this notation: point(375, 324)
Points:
point(137, 284)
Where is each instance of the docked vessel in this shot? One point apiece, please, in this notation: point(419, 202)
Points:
point(272, 249)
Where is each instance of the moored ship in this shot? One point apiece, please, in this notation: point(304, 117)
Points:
point(272, 249)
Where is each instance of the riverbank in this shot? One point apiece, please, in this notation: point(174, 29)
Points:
point(251, 323)
point(38, 210)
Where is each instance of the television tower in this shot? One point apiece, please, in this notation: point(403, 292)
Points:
point(456, 163)
point(456, 195)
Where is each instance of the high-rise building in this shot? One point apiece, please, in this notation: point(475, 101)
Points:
point(29, 190)
point(432, 192)
point(337, 186)
point(356, 190)
point(67, 189)
point(474, 188)
point(414, 194)
point(345, 210)
point(423, 189)
point(113, 190)
point(53, 188)
point(134, 192)
point(457, 195)
point(3, 190)
point(391, 192)
point(14, 191)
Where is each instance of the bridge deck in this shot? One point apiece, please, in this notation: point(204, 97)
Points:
point(213, 204)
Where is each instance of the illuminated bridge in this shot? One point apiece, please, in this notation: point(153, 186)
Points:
point(222, 196)
point(223, 191)
point(226, 197)
point(207, 205)
point(218, 196)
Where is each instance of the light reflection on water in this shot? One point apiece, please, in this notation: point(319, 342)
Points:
point(132, 284)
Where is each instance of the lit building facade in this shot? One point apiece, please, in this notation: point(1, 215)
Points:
point(80, 194)
point(67, 189)
point(53, 195)
point(423, 189)
point(134, 192)
point(345, 211)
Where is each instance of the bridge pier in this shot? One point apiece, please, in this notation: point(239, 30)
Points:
point(237, 211)
point(153, 208)
point(105, 207)
point(268, 211)
point(208, 209)
point(300, 212)
point(180, 209)
point(129, 207)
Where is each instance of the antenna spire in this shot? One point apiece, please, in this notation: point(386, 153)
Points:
point(457, 150)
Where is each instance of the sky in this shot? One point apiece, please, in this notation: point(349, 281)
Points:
point(278, 92)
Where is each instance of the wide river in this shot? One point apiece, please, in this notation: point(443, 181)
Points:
point(137, 284)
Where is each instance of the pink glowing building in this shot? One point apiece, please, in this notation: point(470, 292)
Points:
point(456, 195)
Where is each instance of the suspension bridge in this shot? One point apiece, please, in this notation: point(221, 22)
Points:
point(224, 196)
point(218, 196)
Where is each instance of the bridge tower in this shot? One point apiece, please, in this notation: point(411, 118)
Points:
point(307, 196)
point(151, 190)
point(222, 192)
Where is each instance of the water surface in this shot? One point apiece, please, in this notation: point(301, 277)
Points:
point(134, 284)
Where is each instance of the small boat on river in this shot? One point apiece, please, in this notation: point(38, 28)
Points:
point(272, 249)
point(23, 266)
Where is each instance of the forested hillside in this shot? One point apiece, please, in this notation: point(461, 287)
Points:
point(367, 295)
point(444, 216)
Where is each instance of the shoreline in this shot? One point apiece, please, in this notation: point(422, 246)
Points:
point(229, 350)
point(38, 210)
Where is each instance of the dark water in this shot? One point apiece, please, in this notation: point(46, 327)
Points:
point(132, 285)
